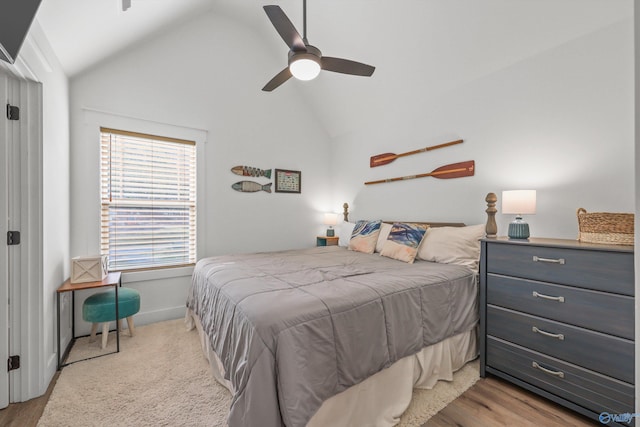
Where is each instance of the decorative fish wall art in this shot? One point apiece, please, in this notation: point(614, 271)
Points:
point(251, 187)
point(251, 171)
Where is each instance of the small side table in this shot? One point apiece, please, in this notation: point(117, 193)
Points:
point(112, 279)
point(327, 241)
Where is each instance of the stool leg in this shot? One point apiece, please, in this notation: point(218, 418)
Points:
point(130, 325)
point(105, 334)
point(94, 329)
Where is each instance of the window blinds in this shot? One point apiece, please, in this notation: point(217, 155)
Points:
point(148, 198)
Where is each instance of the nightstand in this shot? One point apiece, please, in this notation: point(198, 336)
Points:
point(326, 241)
point(113, 279)
point(557, 318)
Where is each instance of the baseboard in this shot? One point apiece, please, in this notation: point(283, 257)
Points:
point(50, 368)
point(49, 371)
point(160, 315)
point(140, 318)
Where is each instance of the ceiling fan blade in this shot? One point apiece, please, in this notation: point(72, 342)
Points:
point(280, 78)
point(285, 28)
point(345, 66)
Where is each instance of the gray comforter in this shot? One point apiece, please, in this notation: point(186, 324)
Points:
point(294, 328)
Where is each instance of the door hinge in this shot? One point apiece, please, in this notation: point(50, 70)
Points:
point(13, 112)
point(13, 363)
point(13, 238)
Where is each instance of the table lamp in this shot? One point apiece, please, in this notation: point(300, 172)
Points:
point(330, 219)
point(519, 202)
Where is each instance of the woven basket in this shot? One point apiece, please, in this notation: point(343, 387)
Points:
point(604, 227)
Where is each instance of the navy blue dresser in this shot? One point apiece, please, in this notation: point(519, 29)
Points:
point(557, 318)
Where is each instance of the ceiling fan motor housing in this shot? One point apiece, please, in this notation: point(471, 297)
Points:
point(312, 53)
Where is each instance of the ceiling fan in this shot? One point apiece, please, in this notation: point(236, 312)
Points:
point(305, 60)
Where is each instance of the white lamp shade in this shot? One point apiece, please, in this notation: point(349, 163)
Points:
point(330, 219)
point(519, 202)
point(304, 69)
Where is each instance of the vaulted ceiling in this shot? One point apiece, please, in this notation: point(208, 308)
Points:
point(421, 48)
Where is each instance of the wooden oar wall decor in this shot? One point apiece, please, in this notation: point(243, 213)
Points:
point(386, 158)
point(454, 170)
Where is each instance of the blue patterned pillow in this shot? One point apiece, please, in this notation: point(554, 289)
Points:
point(403, 241)
point(364, 236)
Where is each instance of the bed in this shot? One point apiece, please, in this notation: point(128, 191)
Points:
point(332, 336)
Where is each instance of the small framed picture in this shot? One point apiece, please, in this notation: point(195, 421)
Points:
point(288, 181)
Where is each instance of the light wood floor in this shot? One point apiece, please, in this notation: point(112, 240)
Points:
point(28, 413)
point(491, 402)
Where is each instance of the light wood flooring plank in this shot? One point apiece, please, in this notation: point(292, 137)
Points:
point(26, 414)
point(494, 402)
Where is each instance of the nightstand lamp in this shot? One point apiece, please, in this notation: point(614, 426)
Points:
point(518, 203)
point(330, 219)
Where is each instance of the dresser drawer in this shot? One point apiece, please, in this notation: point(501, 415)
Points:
point(599, 311)
point(600, 270)
point(592, 350)
point(578, 385)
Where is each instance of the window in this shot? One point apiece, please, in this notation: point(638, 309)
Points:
point(148, 198)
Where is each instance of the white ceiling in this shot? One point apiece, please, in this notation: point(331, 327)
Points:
point(424, 47)
point(83, 32)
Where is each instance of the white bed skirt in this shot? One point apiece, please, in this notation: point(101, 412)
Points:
point(381, 399)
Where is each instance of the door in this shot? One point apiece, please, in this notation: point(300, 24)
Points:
point(10, 180)
point(5, 140)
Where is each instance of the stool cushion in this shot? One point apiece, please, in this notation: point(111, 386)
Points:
point(100, 307)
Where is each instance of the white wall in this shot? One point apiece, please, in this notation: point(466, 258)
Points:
point(203, 76)
point(560, 122)
point(38, 62)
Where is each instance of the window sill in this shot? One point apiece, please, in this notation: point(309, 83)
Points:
point(165, 273)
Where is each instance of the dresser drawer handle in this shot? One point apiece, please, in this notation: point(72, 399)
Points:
point(538, 295)
point(547, 334)
point(559, 374)
point(552, 261)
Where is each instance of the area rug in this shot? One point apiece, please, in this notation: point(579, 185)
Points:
point(161, 378)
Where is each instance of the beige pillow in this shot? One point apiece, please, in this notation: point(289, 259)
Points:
point(403, 241)
point(453, 245)
point(365, 236)
point(384, 233)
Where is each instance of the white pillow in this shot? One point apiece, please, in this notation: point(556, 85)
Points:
point(344, 233)
point(385, 229)
point(453, 245)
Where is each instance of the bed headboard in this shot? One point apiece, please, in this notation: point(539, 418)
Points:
point(491, 229)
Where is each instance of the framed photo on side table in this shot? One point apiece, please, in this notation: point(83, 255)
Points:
point(288, 181)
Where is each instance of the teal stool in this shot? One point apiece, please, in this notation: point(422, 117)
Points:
point(101, 308)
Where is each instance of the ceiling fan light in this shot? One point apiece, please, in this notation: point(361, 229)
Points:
point(306, 68)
